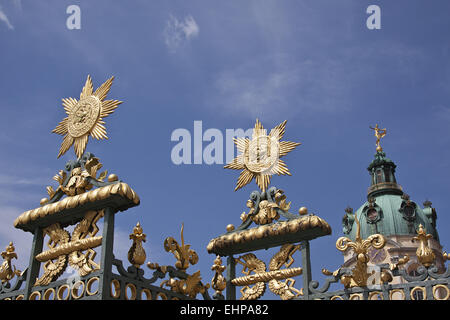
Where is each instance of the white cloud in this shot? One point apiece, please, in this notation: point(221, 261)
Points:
point(21, 239)
point(177, 33)
point(18, 4)
point(5, 19)
point(277, 84)
point(17, 181)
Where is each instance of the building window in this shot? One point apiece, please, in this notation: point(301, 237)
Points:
point(379, 176)
point(387, 175)
point(409, 212)
point(372, 214)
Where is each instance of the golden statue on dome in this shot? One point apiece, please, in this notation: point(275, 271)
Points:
point(379, 133)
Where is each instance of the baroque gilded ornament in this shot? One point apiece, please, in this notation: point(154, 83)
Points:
point(259, 277)
point(7, 270)
point(379, 134)
point(136, 254)
point(359, 276)
point(267, 212)
point(218, 282)
point(184, 254)
point(259, 156)
point(85, 117)
point(65, 249)
point(80, 176)
point(188, 284)
point(424, 253)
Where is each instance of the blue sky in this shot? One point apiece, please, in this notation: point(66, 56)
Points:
point(226, 63)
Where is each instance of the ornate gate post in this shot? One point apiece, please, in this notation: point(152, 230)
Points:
point(306, 264)
point(34, 265)
point(259, 159)
point(107, 254)
point(231, 274)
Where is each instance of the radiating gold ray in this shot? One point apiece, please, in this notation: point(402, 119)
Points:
point(85, 117)
point(68, 104)
point(279, 130)
point(95, 134)
point(80, 145)
point(241, 144)
point(258, 130)
point(262, 181)
point(103, 90)
point(100, 130)
point(65, 145)
point(61, 128)
point(236, 164)
point(98, 133)
point(244, 178)
point(87, 89)
point(281, 169)
point(287, 146)
point(108, 107)
point(260, 155)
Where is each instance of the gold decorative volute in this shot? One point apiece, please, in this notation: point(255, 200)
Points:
point(190, 284)
point(424, 252)
point(7, 270)
point(267, 212)
point(360, 247)
point(78, 180)
point(285, 289)
point(136, 254)
point(76, 250)
point(183, 253)
point(218, 282)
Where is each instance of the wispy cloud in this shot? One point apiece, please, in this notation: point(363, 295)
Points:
point(178, 32)
point(12, 180)
point(274, 84)
point(18, 4)
point(5, 19)
point(20, 239)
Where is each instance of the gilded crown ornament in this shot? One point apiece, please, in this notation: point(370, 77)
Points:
point(259, 156)
point(85, 117)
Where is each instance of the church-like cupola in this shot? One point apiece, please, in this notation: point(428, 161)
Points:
point(382, 171)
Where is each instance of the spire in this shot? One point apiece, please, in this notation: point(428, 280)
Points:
point(382, 170)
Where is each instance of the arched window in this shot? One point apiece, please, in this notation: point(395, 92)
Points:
point(409, 212)
point(379, 176)
point(387, 175)
point(372, 214)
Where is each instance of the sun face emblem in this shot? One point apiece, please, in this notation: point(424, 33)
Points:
point(259, 157)
point(85, 117)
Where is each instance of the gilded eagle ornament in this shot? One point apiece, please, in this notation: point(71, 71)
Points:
point(259, 156)
point(85, 117)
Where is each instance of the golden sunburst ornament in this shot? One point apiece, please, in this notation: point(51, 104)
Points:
point(259, 157)
point(85, 117)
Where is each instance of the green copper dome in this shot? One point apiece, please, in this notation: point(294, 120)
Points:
point(388, 210)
